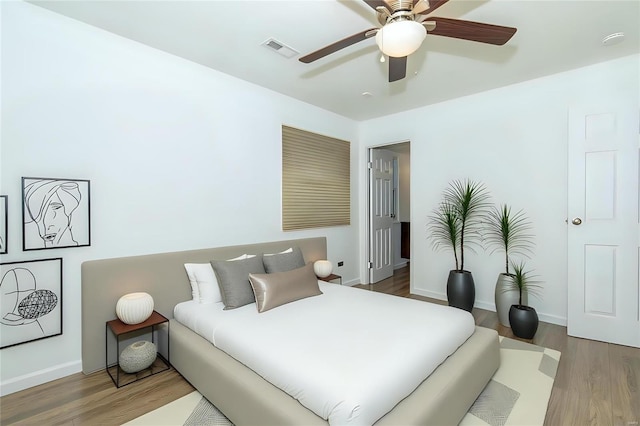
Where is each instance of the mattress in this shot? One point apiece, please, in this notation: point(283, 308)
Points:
point(348, 355)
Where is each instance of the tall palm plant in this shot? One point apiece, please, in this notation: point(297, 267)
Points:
point(445, 229)
point(457, 222)
point(509, 232)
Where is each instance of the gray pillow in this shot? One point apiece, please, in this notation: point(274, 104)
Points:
point(282, 262)
point(273, 290)
point(233, 279)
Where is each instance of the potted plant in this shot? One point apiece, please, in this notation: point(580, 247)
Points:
point(523, 318)
point(455, 225)
point(510, 233)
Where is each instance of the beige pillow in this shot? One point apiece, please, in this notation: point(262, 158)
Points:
point(273, 290)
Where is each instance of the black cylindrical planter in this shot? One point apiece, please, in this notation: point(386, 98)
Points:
point(461, 291)
point(524, 321)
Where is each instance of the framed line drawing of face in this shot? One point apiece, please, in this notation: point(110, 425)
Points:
point(3, 224)
point(30, 301)
point(55, 213)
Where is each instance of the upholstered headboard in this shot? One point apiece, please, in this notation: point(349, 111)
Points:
point(161, 275)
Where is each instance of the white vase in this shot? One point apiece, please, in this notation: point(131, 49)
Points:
point(134, 308)
point(322, 268)
point(138, 356)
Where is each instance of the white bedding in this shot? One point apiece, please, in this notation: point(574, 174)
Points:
point(348, 355)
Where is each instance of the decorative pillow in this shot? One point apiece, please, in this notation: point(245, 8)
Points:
point(282, 262)
point(195, 294)
point(233, 280)
point(278, 288)
point(289, 250)
point(204, 284)
point(243, 256)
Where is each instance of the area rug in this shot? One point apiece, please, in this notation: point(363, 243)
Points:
point(518, 394)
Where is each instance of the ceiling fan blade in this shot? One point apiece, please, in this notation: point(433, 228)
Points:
point(469, 30)
point(433, 5)
point(345, 42)
point(373, 4)
point(420, 6)
point(397, 68)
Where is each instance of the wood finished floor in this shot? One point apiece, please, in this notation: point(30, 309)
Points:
point(596, 384)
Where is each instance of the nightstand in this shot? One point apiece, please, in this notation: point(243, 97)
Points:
point(120, 330)
point(332, 277)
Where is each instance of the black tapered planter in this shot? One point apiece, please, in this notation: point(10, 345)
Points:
point(461, 291)
point(523, 320)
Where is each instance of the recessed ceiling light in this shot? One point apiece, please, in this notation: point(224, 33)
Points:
point(367, 94)
point(612, 39)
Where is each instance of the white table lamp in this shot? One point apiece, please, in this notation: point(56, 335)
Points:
point(322, 268)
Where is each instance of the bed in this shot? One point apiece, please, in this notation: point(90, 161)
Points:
point(239, 392)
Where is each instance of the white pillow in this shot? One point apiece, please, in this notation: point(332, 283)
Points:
point(243, 257)
point(204, 284)
point(195, 293)
point(289, 250)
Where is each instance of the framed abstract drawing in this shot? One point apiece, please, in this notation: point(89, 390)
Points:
point(55, 213)
point(31, 301)
point(4, 224)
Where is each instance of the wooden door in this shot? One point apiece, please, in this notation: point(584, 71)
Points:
point(381, 214)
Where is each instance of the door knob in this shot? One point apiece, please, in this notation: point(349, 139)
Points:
point(576, 221)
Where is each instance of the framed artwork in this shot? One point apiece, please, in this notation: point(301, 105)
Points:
point(55, 213)
point(4, 222)
point(31, 301)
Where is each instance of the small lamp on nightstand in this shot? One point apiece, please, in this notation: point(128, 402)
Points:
point(134, 308)
point(322, 268)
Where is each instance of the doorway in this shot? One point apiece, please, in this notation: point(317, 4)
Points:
point(389, 210)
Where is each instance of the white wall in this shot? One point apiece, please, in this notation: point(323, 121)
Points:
point(179, 157)
point(513, 139)
point(404, 164)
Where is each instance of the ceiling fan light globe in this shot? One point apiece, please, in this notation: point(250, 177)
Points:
point(402, 38)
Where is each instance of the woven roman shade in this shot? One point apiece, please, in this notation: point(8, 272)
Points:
point(316, 180)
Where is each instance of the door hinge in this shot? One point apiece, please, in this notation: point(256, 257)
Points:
point(370, 165)
point(370, 265)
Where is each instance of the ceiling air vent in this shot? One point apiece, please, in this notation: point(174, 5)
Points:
point(280, 47)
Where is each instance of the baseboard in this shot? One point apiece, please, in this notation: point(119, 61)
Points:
point(485, 305)
point(553, 319)
point(39, 377)
point(428, 293)
point(351, 283)
point(490, 306)
point(401, 264)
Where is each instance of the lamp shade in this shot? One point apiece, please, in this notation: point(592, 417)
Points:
point(322, 268)
point(134, 308)
point(401, 38)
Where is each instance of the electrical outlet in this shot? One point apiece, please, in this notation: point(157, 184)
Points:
point(340, 263)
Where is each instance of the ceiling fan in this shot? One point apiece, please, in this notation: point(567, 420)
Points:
point(404, 27)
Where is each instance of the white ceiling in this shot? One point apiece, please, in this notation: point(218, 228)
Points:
point(553, 36)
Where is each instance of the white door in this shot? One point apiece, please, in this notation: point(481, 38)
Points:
point(381, 214)
point(604, 296)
